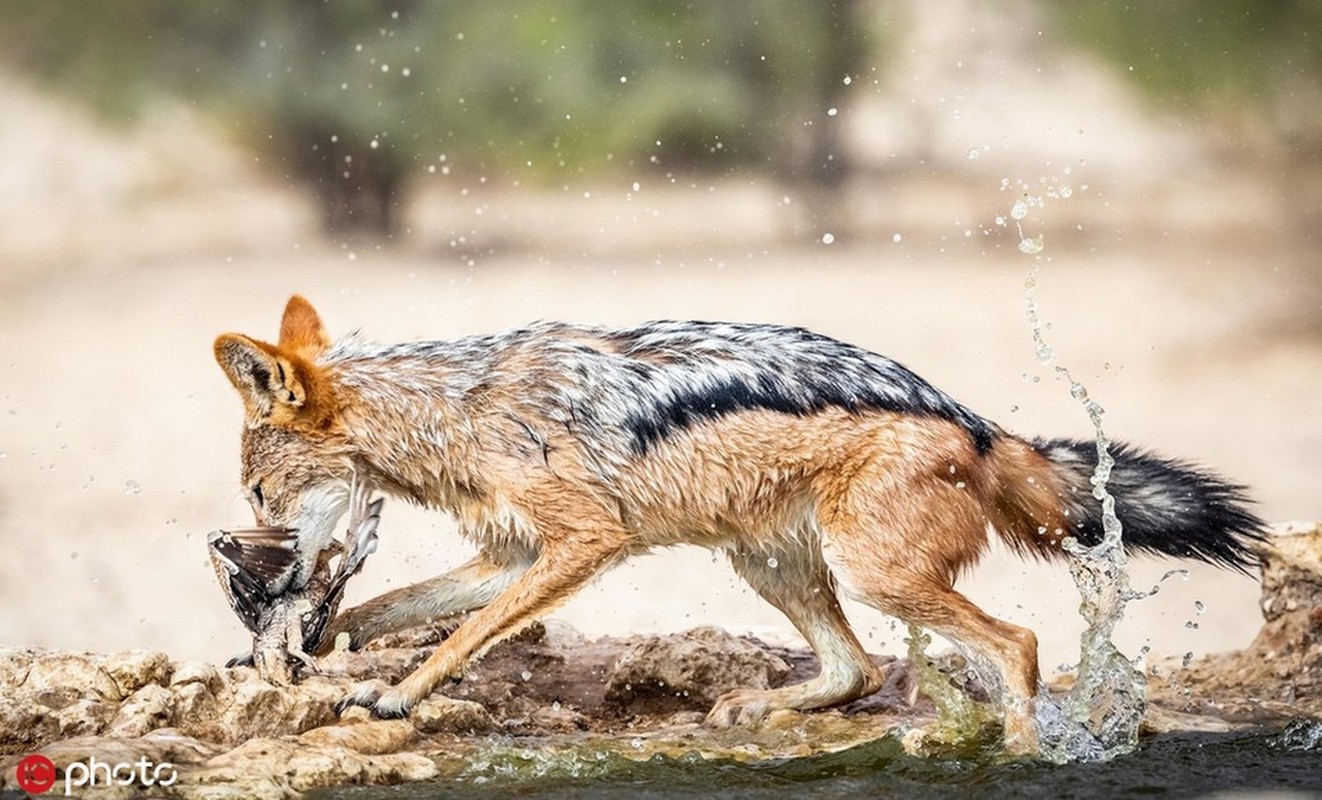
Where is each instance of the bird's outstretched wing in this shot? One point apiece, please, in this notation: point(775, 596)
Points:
point(255, 566)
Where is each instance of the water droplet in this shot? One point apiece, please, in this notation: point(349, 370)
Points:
point(772, 562)
point(1000, 220)
point(848, 80)
point(1198, 606)
point(637, 743)
point(828, 238)
point(132, 487)
point(973, 154)
point(526, 675)
point(1019, 210)
point(1066, 191)
point(1187, 660)
point(1030, 246)
point(897, 238)
point(1191, 625)
point(831, 112)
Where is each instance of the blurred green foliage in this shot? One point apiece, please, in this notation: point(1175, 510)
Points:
point(1263, 56)
point(357, 96)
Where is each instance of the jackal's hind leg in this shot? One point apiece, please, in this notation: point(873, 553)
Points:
point(797, 583)
point(896, 556)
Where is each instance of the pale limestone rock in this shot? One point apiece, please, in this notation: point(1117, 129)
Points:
point(198, 672)
point(133, 669)
point(14, 665)
point(260, 709)
point(24, 722)
point(261, 768)
point(149, 708)
point(446, 715)
point(370, 738)
point(88, 716)
point(195, 708)
point(78, 673)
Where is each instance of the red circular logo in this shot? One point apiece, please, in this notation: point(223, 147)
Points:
point(36, 773)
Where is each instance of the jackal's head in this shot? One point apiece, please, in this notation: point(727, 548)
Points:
point(297, 464)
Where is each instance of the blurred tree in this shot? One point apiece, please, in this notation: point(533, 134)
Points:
point(356, 97)
point(1256, 61)
point(1252, 71)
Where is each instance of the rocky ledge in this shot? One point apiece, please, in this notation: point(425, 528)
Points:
point(1280, 672)
point(550, 695)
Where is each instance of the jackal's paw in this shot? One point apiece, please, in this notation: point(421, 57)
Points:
point(383, 701)
point(747, 707)
point(366, 695)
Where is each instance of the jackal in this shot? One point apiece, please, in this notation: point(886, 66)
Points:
point(815, 466)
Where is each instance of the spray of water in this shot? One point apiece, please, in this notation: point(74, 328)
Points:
point(960, 717)
point(1100, 717)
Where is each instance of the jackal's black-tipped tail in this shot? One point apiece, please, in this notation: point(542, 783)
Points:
point(1165, 506)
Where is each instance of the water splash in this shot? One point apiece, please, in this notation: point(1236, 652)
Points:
point(1110, 693)
point(959, 717)
point(1301, 734)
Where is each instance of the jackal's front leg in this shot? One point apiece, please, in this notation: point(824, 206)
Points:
point(465, 589)
point(565, 564)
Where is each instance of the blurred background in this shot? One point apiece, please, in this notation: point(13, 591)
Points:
point(889, 173)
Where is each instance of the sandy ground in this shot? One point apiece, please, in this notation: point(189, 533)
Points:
point(1173, 296)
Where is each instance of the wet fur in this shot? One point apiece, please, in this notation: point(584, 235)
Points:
point(562, 450)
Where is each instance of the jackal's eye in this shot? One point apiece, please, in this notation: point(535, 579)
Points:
point(257, 494)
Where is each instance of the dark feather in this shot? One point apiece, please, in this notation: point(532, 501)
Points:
point(255, 566)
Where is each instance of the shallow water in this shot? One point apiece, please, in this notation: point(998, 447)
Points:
point(1175, 765)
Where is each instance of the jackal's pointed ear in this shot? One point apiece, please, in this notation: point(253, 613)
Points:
point(301, 331)
point(267, 380)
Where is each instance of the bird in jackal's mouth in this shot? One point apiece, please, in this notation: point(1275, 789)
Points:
point(287, 613)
